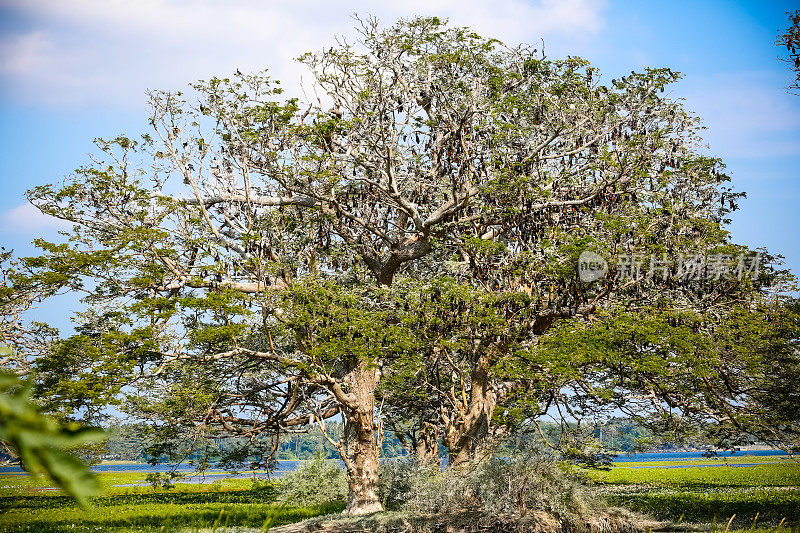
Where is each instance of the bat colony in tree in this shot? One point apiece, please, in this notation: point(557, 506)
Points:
point(393, 250)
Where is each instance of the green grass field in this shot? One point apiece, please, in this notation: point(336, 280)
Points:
point(767, 493)
point(766, 475)
point(25, 506)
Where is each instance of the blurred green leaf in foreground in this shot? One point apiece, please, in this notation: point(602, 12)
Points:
point(40, 443)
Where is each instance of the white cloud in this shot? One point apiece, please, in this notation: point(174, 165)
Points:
point(22, 54)
point(27, 220)
point(91, 51)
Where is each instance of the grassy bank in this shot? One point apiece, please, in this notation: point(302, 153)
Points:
point(767, 493)
point(764, 506)
point(759, 496)
point(714, 460)
point(765, 475)
point(221, 504)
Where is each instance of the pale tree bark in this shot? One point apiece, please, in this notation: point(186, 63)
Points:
point(466, 431)
point(426, 445)
point(362, 470)
point(467, 414)
point(361, 454)
point(420, 436)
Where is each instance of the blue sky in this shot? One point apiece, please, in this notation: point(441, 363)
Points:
point(74, 70)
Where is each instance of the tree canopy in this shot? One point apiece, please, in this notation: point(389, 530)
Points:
point(401, 249)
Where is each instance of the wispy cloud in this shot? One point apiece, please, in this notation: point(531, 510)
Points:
point(27, 220)
point(23, 54)
point(95, 51)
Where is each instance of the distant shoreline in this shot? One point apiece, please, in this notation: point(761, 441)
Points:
point(741, 450)
point(671, 459)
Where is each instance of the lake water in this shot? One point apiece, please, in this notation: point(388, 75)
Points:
point(675, 456)
point(283, 467)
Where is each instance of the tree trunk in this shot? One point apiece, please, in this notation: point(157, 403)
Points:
point(464, 437)
point(362, 471)
point(426, 446)
point(361, 453)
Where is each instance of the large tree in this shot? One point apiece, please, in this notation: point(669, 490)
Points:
point(255, 256)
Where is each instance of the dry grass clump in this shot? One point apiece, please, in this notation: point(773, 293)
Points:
point(510, 494)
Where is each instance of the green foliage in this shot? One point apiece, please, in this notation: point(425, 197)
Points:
point(41, 443)
point(340, 326)
point(316, 482)
point(163, 480)
point(738, 365)
point(83, 374)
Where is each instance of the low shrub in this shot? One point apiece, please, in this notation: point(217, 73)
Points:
point(493, 487)
point(401, 479)
point(315, 482)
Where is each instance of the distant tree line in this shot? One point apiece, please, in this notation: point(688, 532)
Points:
point(130, 442)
